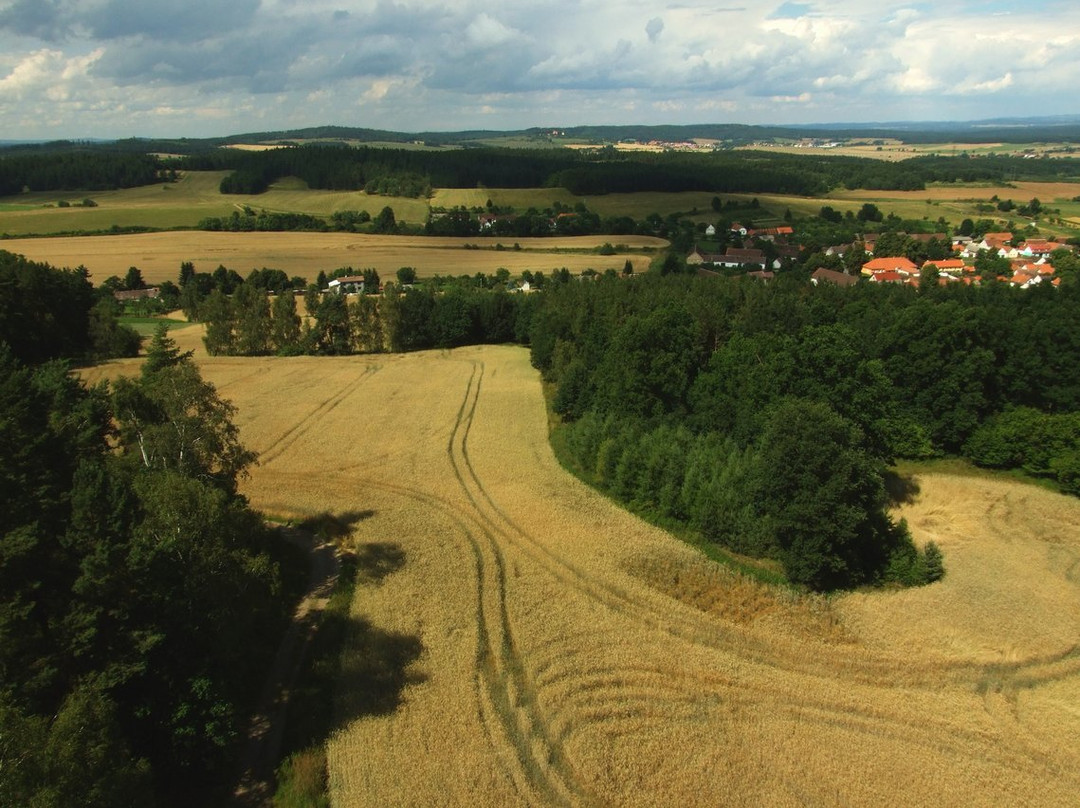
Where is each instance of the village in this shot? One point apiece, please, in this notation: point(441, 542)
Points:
point(1029, 261)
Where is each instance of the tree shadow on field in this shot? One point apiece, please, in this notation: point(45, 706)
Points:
point(334, 526)
point(376, 667)
point(901, 489)
point(376, 560)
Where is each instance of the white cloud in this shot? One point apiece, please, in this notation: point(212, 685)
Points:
point(487, 32)
point(102, 67)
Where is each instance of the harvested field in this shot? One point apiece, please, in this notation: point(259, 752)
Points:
point(159, 255)
point(1017, 191)
point(534, 644)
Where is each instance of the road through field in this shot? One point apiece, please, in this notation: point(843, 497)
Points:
point(537, 645)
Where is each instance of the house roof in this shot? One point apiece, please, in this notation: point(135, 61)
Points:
point(746, 255)
point(945, 264)
point(896, 263)
point(823, 275)
point(887, 276)
point(137, 294)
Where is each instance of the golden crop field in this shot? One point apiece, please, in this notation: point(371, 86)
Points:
point(892, 150)
point(537, 645)
point(159, 255)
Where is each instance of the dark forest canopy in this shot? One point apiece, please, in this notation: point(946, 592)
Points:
point(407, 172)
point(765, 416)
point(48, 313)
point(413, 172)
point(123, 543)
point(73, 170)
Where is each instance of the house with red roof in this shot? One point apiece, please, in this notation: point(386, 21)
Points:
point(890, 264)
point(949, 266)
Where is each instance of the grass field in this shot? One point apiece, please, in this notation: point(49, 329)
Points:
point(146, 326)
point(536, 645)
point(195, 196)
point(159, 255)
point(954, 203)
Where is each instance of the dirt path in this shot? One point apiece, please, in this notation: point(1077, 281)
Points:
point(263, 750)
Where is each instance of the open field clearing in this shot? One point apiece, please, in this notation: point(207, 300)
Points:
point(536, 645)
point(953, 202)
point(1047, 192)
point(195, 196)
point(894, 150)
point(159, 255)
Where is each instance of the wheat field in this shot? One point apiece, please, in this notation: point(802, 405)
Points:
point(159, 255)
point(566, 653)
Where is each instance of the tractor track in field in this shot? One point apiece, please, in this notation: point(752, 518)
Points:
point(707, 632)
point(283, 442)
point(526, 728)
point(528, 740)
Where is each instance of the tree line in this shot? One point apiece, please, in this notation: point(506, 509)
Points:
point(404, 172)
point(249, 322)
point(48, 313)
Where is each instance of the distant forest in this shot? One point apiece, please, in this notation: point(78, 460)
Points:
point(76, 171)
point(404, 172)
point(412, 173)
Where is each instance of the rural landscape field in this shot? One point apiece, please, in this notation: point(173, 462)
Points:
point(551, 649)
point(159, 255)
point(34, 226)
point(625, 479)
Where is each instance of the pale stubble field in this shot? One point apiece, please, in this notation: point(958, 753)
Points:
point(574, 655)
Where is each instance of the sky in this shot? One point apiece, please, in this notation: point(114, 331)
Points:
point(204, 68)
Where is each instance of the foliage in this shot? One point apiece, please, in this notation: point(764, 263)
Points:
point(120, 554)
point(1041, 444)
point(48, 313)
point(76, 170)
point(672, 383)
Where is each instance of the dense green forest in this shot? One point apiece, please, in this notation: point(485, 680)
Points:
point(414, 173)
point(76, 171)
point(140, 597)
point(48, 313)
point(765, 416)
point(242, 320)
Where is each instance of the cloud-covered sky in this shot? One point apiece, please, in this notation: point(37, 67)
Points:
point(120, 68)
